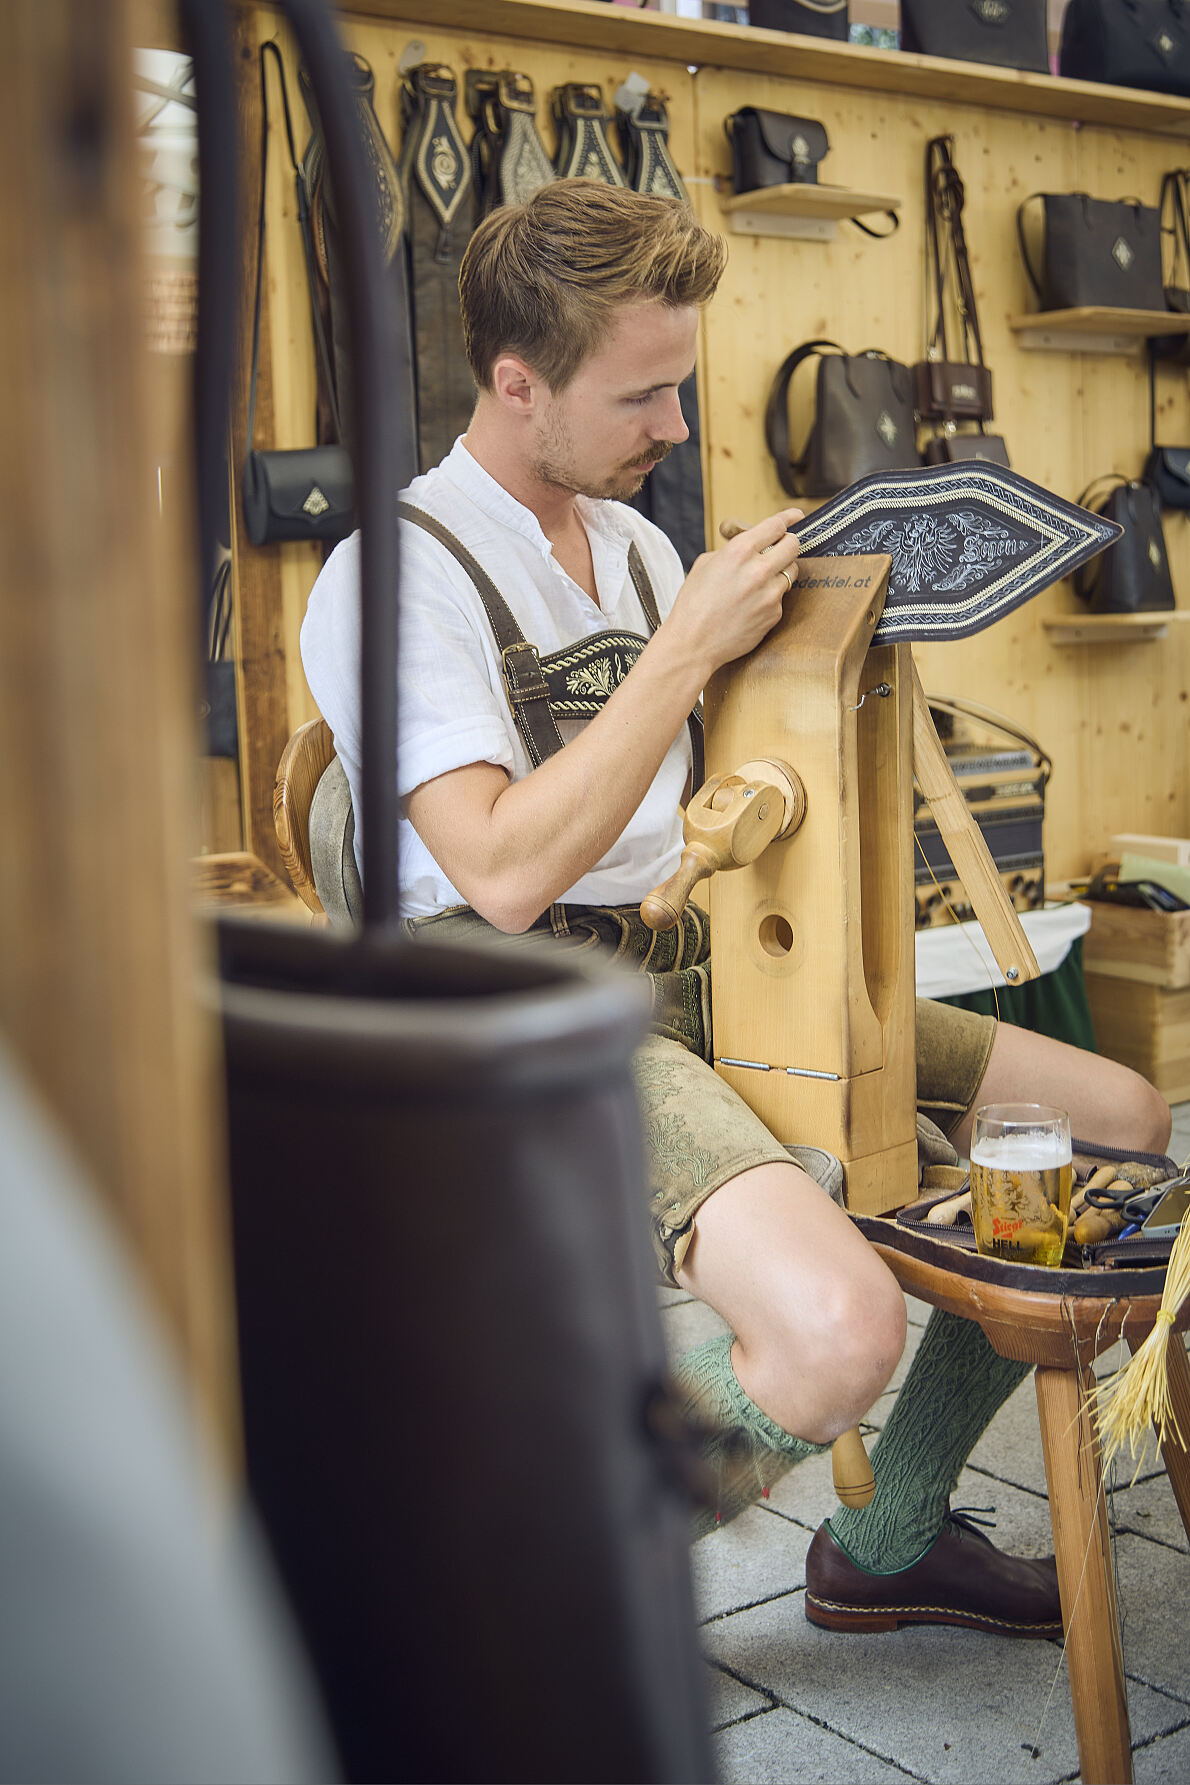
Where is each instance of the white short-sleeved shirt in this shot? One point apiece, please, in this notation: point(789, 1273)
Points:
point(452, 706)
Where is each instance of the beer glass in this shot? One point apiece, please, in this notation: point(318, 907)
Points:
point(1021, 1176)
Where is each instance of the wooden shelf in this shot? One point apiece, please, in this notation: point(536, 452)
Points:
point(1094, 329)
point(1111, 629)
point(804, 211)
point(625, 32)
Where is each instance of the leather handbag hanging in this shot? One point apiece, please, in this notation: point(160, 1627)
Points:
point(304, 492)
point(773, 149)
point(812, 18)
point(1167, 468)
point(863, 421)
point(1096, 251)
point(948, 392)
point(1007, 33)
point(1132, 576)
point(1175, 230)
point(1130, 43)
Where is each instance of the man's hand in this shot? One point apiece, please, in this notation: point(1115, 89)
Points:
point(733, 596)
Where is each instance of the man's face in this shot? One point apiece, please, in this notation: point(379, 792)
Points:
point(620, 413)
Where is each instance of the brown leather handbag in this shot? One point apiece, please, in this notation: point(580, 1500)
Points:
point(864, 419)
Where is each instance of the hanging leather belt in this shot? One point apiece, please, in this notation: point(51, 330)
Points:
point(573, 683)
point(508, 158)
point(328, 258)
point(671, 496)
point(583, 149)
point(441, 204)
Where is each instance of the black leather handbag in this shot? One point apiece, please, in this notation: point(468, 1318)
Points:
point(1096, 251)
point(1131, 576)
point(812, 18)
point(773, 149)
point(1167, 468)
point(1129, 43)
point(863, 420)
point(1009, 33)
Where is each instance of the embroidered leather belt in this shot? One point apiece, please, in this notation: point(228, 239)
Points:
point(583, 149)
point(441, 202)
point(508, 158)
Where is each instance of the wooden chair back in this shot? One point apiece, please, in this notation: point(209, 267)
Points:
point(303, 763)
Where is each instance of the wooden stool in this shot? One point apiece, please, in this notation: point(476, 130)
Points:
point(1062, 1332)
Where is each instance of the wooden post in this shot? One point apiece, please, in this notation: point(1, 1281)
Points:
point(98, 692)
point(818, 932)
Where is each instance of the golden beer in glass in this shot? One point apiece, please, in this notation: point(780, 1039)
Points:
point(1021, 1177)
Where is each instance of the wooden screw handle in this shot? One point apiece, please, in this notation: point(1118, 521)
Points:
point(662, 908)
point(854, 1481)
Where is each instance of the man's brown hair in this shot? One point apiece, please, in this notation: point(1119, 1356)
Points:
point(544, 279)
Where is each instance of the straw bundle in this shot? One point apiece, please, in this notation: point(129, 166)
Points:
point(1136, 1396)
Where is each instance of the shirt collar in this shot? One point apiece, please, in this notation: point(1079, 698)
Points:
point(602, 520)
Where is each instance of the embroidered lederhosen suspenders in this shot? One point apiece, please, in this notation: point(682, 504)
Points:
point(573, 683)
point(583, 150)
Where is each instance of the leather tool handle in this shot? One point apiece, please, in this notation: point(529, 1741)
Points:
point(852, 1472)
point(966, 847)
point(729, 822)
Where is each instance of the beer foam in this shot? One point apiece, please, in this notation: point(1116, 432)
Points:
point(1040, 1151)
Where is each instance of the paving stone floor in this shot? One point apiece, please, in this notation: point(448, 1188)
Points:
point(791, 1703)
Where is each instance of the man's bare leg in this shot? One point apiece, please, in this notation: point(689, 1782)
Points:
point(819, 1319)
point(1107, 1102)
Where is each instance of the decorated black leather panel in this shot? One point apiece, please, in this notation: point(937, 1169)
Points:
point(969, 543)
point(582, 676)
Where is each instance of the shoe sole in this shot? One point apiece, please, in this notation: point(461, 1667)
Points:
point(829, 1614)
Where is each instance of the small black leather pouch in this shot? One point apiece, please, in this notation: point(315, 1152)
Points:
point(306, 493)
point(773, 149)
point(1167, 468)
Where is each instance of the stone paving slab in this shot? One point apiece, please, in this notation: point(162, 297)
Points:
point(1163, 1762)
point(781, 1746)
point(1153, 1585)
point(1150, 1510)
point(951, 1707)
point(729, 1701)
point(754, 1557)
point(689, 1323)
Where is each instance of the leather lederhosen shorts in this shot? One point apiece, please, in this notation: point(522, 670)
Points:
point(698, 1132)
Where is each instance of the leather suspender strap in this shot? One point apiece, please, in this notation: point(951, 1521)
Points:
point(441, 202)
point(524, 678)
point(508, 157)
point(583, 149)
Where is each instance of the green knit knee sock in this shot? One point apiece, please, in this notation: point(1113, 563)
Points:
point(745, 1450)
point(955, 1384)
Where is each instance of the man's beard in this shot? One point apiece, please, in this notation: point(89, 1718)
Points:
point(552, 467)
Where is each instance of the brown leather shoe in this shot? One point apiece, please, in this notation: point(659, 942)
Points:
point(962, 1579)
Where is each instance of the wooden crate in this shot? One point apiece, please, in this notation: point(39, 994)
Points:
point(1146, 1027)
point(1132, 943)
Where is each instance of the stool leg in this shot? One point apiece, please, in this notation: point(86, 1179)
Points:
point(1074, 1474)
point(1175, 1458)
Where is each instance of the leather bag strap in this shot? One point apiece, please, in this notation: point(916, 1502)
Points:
point(308, 255)
point(776, 415)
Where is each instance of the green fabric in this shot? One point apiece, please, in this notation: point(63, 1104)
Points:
point(1056, 1004)
point(955, 1384)
point(744, 1450)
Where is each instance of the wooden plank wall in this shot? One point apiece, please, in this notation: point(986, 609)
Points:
point(1113, 717)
